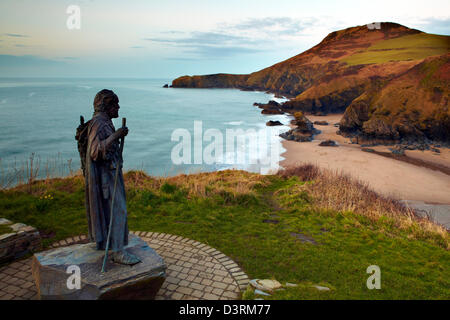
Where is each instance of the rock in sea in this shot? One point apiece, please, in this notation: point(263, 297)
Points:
point(272, 123)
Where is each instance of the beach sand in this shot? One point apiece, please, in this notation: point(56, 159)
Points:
point(416, 183)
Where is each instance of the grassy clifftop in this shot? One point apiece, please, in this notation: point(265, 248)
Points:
point(302, 226)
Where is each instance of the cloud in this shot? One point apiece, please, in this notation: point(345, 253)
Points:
point(173, 32)
point(24, 61)
point(216, 51)
point(181, 59)
point(248, 36)
point(435, 25)
point(273, 26)
point(16, 35)
point(203, 38)
point(69, 58)
point(210, 44)
point(137, 47)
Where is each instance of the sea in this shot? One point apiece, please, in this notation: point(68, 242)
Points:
point(171, 130)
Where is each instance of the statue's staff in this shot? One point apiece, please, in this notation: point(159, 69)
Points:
point(124, 122)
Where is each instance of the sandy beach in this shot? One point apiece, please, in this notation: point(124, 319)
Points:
point(423, 188)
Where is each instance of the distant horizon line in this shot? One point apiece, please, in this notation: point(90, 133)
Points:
point(99, 78)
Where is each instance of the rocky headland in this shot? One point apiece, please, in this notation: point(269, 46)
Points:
point(391, 83)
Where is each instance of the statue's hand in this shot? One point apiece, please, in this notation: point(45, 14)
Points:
point(121, 132)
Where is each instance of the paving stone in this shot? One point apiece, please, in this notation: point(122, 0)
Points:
point(219, 285)
point(11, 289)
point(190, 278)
point(227, 280)
point(28, 285)
point(183, 283)
point(194, 272)
point(197, 293)
point(172, 287)
point(197, 286)
point(210, 296)
point(7, 296)
point(217, 291)
point(185, 290)
point(208, 289)
point(29, 295)
point(231, 295)
point(207, 282)
point(172, 280)
point(217, 278)
point(10, 271)
point(176, 296)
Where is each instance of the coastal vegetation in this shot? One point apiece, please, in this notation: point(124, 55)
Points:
point(410, 47)
point(301, 225)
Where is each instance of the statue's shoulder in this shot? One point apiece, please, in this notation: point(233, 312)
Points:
point(98, 122)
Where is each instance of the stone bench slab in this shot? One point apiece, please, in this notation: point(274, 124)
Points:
point(141, 281)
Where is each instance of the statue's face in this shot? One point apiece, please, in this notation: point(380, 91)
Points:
point(113, 109)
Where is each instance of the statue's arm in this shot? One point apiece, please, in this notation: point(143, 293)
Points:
point(101, 139)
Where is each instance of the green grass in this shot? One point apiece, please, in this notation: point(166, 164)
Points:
point(411, 47)
point(233, 222)
point(5, 229)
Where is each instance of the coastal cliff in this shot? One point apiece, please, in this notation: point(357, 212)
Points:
point(348, 68)
point(413, 105)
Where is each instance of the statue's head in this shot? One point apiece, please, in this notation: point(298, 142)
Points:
point(107, 101)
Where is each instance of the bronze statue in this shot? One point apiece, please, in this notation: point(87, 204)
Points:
point(102, 168)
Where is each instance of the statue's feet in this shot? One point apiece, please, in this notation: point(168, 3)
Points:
point(124, 257)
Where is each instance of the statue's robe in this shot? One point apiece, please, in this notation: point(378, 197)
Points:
point(101, 164)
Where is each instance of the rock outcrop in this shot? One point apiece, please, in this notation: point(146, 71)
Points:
point(304, 130)
point(272, 107)
point(272, 123)
point(328, 143)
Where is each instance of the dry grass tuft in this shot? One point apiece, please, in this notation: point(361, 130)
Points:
point(340, 192)
point(206, 184)
point(306, 172)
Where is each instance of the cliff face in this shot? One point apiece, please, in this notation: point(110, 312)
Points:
point(414, 104)
point(220, 80)
point(345, 69)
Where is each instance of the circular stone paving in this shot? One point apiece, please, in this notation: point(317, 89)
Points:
point(195, 271)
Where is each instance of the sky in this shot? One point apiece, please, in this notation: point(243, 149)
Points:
point(167, 39)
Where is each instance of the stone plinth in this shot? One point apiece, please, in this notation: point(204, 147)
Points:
point(141, 281)
point(21, 240)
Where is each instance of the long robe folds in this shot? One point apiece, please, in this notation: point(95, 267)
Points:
point(101, 164)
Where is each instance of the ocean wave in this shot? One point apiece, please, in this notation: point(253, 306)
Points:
point(84, 87)
point(234, 123)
